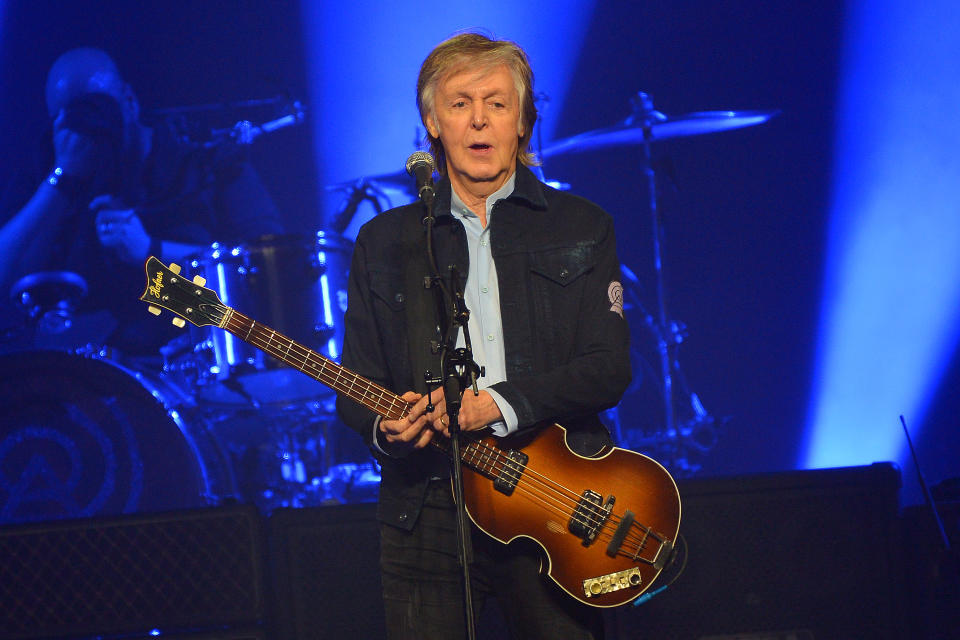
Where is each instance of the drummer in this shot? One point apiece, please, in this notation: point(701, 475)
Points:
point(117, 190)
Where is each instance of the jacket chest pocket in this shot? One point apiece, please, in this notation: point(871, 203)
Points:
point(558, 280)
point(563, 266)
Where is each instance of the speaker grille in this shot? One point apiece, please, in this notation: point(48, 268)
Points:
point(804, 554)
point(196, 569)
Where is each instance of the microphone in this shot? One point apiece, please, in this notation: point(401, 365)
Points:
point(421, 165)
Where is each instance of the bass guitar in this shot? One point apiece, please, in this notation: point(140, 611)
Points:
point(607, 524)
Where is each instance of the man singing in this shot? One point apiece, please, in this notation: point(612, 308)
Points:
point(542, 283)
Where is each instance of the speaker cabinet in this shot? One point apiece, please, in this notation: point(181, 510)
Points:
point(798, 555)
point(326, 572)
point(198, 569)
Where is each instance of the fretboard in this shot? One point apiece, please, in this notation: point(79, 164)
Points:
point(354, 386)
point(485, 459)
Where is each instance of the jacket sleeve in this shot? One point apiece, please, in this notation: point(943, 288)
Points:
point(597, 371)
point(362, 349)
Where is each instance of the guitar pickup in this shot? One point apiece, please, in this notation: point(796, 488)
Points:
point(510, 472)
point(589, 516)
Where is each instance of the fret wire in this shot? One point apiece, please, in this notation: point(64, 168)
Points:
point(380, 398)
point(491, 459)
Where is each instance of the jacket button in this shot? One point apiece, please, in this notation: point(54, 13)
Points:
point(564, 273)
point(398, 297)
point(403, 517)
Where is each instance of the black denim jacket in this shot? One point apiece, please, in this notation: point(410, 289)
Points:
point(566, 341)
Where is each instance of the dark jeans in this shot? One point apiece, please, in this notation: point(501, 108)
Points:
point(422, 592)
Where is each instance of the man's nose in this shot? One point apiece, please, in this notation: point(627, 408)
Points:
point(479, 117)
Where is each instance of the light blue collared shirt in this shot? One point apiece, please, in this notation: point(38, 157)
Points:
point(482, 297)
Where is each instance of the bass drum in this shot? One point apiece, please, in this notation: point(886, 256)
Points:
point(85, 436)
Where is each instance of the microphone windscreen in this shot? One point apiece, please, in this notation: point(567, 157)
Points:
point(418, 157)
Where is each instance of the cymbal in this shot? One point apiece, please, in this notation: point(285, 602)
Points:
point(662, 127)
point(399, 180)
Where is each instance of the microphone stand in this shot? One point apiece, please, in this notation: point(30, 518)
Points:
point(457, 371)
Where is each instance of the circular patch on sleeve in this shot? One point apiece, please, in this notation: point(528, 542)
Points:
point(615, 294)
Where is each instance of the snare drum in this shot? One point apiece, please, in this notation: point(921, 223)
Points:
point(296, 285)
point(85, 436)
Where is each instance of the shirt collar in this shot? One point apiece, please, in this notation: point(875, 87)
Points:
point(526, 187)
point(458, 208)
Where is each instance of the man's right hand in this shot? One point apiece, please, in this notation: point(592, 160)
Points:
point(75, 152)
point(415, 431)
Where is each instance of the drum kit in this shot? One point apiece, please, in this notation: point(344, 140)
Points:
point(88, 431)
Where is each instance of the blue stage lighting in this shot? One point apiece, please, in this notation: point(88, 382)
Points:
point(363, 64)
point(890, 319)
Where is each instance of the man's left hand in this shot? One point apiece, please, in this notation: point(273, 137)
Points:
point(120, 230)
point(476, 412)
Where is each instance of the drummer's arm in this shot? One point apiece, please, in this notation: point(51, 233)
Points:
point(27, 237)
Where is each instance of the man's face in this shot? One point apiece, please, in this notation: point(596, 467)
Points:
point(477, 118)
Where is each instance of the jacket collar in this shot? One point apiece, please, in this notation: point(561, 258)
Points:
point(526, 188)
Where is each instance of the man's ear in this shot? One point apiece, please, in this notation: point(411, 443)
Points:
point(433, 127)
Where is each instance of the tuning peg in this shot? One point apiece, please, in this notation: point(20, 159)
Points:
point(175, 268)
point(154, 310)
point(199, 280)
point(179, 322)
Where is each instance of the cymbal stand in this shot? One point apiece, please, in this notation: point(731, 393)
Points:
point(666, 333)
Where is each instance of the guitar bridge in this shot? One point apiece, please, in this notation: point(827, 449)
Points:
point(589, 516)
point(600, 585)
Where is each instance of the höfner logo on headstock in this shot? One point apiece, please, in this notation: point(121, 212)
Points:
point(156, 285)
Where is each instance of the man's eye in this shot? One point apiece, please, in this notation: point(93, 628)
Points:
point(460, 103)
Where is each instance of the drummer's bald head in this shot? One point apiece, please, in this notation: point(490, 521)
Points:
point(81, 71)
point(477, 51)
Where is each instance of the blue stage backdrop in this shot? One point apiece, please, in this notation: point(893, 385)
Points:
point(813, 259)
point(890, 314)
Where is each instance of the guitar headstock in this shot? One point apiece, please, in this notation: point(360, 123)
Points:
point(190, 300)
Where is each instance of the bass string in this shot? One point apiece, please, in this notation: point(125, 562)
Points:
point(391, 406)
point(572, 499)
point(550, 504)
point(340, 379)
point(524, 470)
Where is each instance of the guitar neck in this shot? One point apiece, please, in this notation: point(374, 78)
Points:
point(371, 395)
point(345, 382)
point(195, 303)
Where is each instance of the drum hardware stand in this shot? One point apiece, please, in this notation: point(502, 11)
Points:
point(243, 132)
point(362, 190)
point(668, 334)
point(49, 299)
